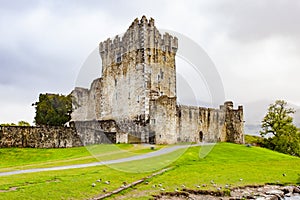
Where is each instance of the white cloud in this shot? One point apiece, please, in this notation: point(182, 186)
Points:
point(263, 69)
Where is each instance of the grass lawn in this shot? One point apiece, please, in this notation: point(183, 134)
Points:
point(225, 164)
point(66, 184)
point(232, 164)
point(26, 158)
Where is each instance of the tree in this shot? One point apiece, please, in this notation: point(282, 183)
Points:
point(53, 109)
point(23, 123)
point(279, 131)
point(20, 123)
point(8, 124)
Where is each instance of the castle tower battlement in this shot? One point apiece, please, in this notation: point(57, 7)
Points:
point(136, 67)
point(141, 37)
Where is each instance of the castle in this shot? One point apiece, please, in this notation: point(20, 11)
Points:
point(135, 99)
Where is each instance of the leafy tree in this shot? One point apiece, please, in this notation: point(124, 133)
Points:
point(8, 124)
point(20, 123)
point(278, 124)
point(53, 109)
point(23, 123)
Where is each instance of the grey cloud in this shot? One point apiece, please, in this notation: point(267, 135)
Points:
point(18, 5)
point(254, 20)
point(29, 68)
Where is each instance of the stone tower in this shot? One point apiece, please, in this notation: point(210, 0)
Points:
point(135, 99)
point(137, 67)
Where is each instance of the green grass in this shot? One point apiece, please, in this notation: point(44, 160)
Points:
point(225, 164)
point(232, 164)
point(26, 158)
point(67, 184)
point(22, 156)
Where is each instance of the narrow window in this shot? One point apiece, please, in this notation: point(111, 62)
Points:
point(119, 58)
point(149, 52)
point(164, 58)
point(161, 74)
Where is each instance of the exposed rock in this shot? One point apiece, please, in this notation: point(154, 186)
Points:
point(275, 192)
point(288, 189)
point(296, 190)
point(267, 192)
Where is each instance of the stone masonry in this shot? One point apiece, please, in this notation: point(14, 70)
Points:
point(134, 101)
point(39, 137)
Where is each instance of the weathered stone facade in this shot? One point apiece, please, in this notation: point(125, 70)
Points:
point(137, 96)
point(39, 137)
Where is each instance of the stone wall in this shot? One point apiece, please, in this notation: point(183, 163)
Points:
point(197, 124)
point(39, 137)
point(99, 132)
point(171, 123)
point(163, 120)
point(80, 99)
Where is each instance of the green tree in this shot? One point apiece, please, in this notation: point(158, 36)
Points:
point(20, 123)
point(279, 131)
point(23, 123)
point(8, 124)
point(53, 109)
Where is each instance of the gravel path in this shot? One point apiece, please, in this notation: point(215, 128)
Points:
point(133, 158)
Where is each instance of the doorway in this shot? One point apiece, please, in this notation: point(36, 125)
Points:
point(201, 136)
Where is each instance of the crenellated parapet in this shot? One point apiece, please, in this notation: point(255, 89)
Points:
point(142, 39)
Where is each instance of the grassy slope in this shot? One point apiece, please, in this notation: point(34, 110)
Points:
point(226, 163)
point(25, 158)
point(67, 184)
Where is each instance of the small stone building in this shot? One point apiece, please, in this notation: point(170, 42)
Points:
point(134, 101)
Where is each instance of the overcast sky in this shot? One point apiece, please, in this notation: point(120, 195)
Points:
point(254, 44)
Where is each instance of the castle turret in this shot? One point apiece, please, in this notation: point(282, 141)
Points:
point(234, 123)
